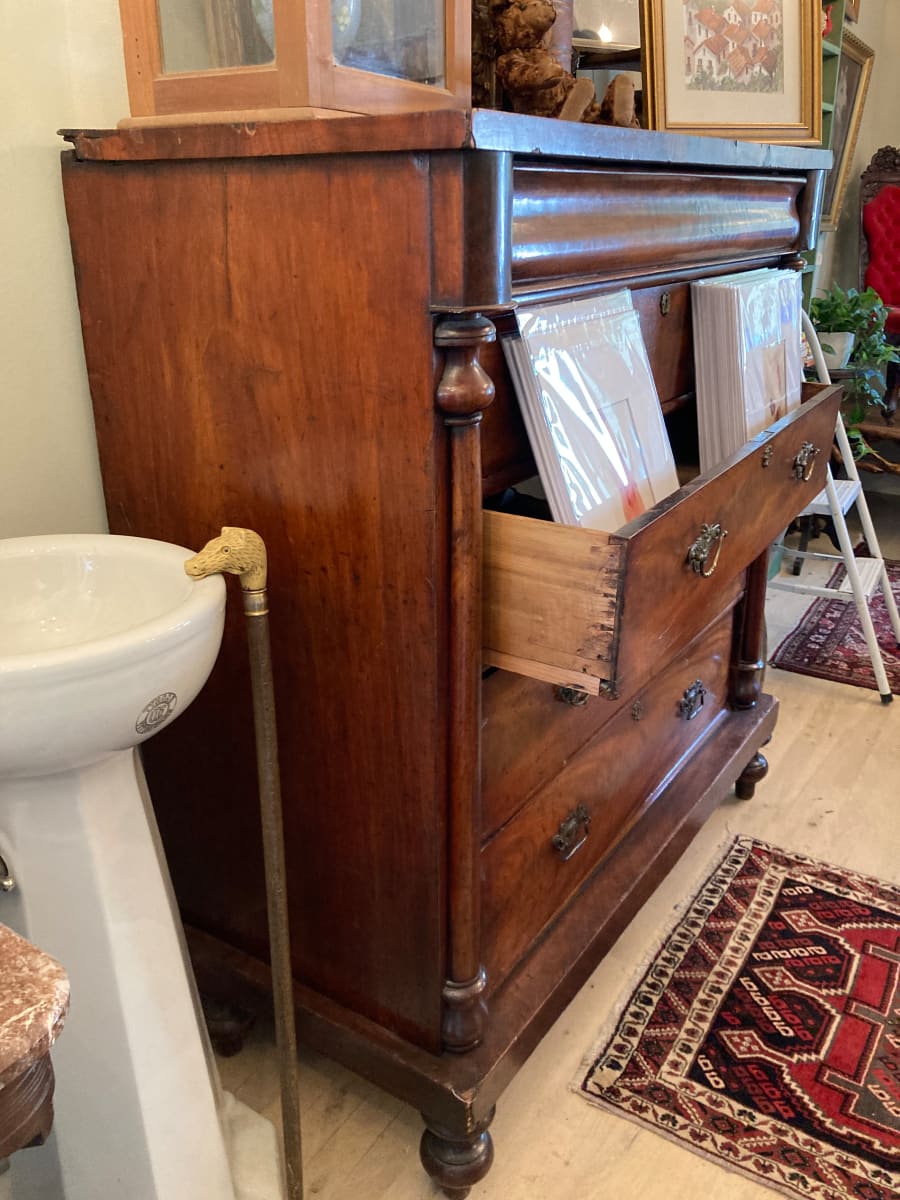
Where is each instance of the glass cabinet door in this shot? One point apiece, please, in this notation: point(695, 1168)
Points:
point(203, 35)
point(260, 56)
point(403, 39)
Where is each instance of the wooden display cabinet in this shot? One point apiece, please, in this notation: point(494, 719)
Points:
point(497, 734)
point(271, 58)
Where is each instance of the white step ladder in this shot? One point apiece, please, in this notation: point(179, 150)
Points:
point(864, 576)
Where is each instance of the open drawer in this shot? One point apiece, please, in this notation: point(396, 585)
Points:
point(589, 609)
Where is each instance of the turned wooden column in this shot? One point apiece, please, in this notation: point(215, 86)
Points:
point(747, 660)
point(463, 393)
point(457, 1155)
point(748, 663)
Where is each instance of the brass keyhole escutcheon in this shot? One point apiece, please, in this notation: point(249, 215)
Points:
point(698, 555)
point(665, 303)
point(767, 455)
point(572, 833)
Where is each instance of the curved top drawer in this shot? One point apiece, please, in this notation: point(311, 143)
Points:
point(581, 607)
point(577, 221)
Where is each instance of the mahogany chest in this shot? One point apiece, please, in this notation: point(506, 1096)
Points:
point(497, 734)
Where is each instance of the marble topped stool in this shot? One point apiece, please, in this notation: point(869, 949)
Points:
point(34, 999)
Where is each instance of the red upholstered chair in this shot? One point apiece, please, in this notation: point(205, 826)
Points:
point(879, 249)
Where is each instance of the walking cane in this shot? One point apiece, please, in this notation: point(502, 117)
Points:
point(242, 552)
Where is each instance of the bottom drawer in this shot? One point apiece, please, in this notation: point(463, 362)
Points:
point(539, 859)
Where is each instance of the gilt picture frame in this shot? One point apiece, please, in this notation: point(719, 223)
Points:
point(748, 69)
point(854, 72)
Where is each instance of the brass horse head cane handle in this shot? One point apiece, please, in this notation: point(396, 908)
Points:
point(698, 555)
point(242, 552)
point(237, 552)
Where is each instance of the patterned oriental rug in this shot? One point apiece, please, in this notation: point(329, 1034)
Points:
point(766, 1032)
point(829, 643)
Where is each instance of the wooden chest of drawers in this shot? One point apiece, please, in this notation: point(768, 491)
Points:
point(497, 734)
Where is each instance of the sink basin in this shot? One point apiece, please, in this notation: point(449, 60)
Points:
point(103, 640)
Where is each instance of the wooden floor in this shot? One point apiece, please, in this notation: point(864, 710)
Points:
point(833, 792)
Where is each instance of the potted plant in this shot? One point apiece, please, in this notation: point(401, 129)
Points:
point(861, 314)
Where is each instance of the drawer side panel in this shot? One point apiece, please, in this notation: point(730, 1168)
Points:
point(550, 599)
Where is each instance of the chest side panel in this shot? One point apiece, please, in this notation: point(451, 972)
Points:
point(260, 353)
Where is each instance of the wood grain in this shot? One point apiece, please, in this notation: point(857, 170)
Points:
point(251, 383)
point(551, 596)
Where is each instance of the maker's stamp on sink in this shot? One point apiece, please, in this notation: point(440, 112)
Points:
point(158, 710)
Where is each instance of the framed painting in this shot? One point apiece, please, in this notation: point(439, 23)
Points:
point(854, 71)
point(748, 69)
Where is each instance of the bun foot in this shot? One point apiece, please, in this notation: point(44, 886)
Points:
point(755, 771)
point(227, 1026)
point(456, 1159)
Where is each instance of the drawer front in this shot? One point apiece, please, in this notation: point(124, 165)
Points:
point(750, 502)
point(572, 605)
point(529, 731)
point(526, 878)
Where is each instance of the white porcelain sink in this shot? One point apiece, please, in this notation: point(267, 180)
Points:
point(103, 641)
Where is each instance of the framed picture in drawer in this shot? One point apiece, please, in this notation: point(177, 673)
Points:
point(747, 69)
point(591, 410)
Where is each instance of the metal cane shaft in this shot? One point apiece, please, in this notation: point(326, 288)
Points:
point(242, 552)
point(276, 892)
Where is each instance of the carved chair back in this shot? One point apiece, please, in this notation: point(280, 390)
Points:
point(879, 229)
point(879, 251)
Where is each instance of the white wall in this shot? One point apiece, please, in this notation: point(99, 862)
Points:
point(62, 67)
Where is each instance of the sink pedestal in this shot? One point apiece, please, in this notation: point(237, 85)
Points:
point(136, 1090)
point(103, 641)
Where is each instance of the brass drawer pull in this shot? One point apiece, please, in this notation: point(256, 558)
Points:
point(710, 535)
point(692, 700)
point(572, 833)
point(805, 462)
point(575, 696)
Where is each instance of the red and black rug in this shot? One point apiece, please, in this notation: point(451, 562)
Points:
point(766, 1032)
point(828, 642)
